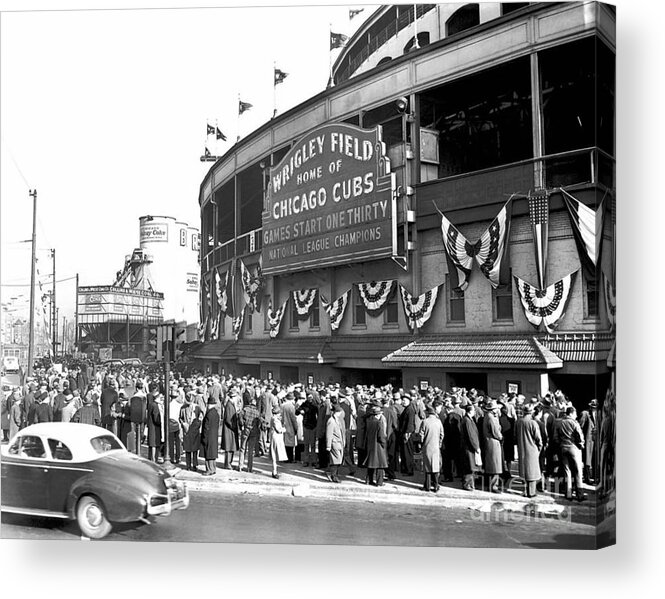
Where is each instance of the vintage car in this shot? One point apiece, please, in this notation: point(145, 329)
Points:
point(83, 472)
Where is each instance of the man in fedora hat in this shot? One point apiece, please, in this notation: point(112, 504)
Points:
point(493, 459)
point(89, 412)
point(588, 423)
point(569, 439)
point(376, 441)
point(209, 434)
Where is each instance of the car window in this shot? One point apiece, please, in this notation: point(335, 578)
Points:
point(13, 448)
point(59, 450)
point(32, 447)
point(104, 443)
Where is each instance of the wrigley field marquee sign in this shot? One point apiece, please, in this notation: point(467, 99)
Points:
point(330, 201)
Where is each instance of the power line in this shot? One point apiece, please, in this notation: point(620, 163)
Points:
point(28, 284)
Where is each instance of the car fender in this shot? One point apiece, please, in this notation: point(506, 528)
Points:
point(122, 503)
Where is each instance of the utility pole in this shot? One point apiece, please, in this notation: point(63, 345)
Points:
point(64, 333)
point(54, 319)
point(55, 333)
point(76, 315)
point(31, 338)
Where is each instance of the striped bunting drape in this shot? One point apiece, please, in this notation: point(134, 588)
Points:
point(418, 309)
point(237, 323)
point(375, 294)
point(251, 285)
point(587, 225)
point(545, 306)
point(610, 300)
point(275, 318)
point(336, 309)
point(304, 300)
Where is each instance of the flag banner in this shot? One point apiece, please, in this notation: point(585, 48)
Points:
point(219, 134)
point(202, 330)
point(336, 309)
point(539, 207)
point(545, 306)
point(375, 294)
point(338, 40)
point(418, 309)
point(243, 106)
point(210, 129)
point(251, 286)
point(354, 11)
point(610, 300)
point(587, 225)
point(214, 332)
point(304, 301)
point(275, 318)
point(457, 256)
point(237, 323)
point(222, 289)
point(280, 76)
point(207, 152)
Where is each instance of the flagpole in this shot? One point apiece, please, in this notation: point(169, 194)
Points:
point(274, 90)
point(238, 120)
point(330, 81)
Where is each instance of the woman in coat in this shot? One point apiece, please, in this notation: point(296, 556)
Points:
point(277, 449)
point(431, 433)
point(493, 459)
point(209, 437)
point(190, 422)
point(335, 440)
point(156, 429)
point(229, 432)
point(376, 442)
point(529, 444)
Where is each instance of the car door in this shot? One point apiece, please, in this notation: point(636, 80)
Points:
point(63, 473)
point(25, 469)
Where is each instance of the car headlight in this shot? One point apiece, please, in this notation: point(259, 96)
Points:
point(171, 482)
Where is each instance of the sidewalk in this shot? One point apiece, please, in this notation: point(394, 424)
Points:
point(298, 481)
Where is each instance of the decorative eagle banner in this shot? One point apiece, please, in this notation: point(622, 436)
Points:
point(418, 309)
point(336, 309)
point(375, 294)
point(275, 318)
point(223, 292)
point(539, 214)
point(490, 251)
point(587, 225)
point(610, 301)
point(237, 323)
point(304, 300)
point(251, 286)
point(545, 306)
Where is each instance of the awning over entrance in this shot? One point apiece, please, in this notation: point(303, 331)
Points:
point(579, 347)
point(475, 351)
point(316, 350)
point(211, 350)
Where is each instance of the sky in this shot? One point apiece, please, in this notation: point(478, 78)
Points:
point(104, 113)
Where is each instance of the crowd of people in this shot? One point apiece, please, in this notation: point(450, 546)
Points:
point(388, 432)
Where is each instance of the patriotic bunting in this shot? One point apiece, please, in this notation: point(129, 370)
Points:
point(587, 225)
point(539, 206)
point(251, 286)
point(610, 301)
point(336, 309)
point(275, 318)
point(237, 323)
point(490, 251)
point(418, 309)
point(545, 306)
point(224, 292)
point(214, 333)
point(203, 325)
point(375, 294)
point(304, 300)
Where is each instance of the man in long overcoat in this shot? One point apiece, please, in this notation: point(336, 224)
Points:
point(470, 444)
point(407, 428)
point(493, 460)
point(588, 424)
point(452, 429)
point(230, 431)
point(190, 422)
point(290, 422)
point(335, 440)
point(321, 425)
point(529, 444)
point(392, 431)
point(431, 432)
point(375, 444)
point(209, 441)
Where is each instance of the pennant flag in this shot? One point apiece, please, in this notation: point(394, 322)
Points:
point(354, 11)
point(610, 301)
point(207, 152)
point(539, 207)
point(280, 76)
point(336, 309)
point(243, 106)
point(275, 318)
point(304, 300)
point(587, 227)
point(210, 129)
point(251, 286)
point(237, 323)
point(375, 294)
point(338, 40)
point(545, 306)
point(418, 309)
point(219, 134)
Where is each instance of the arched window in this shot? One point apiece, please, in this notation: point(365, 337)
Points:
point(384, 60)
point(464, 18)
point(423, 40)
point(508, 7)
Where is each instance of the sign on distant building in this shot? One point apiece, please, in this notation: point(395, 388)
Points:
point(154, 232)
point(330, 201)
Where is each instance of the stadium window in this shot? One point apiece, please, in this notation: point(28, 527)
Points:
point(390, 314)
point(455, 303)
point(314, 315)
point(266, 321)
point(502, 298)
point(294, 324)
point(508, 7)
point(423, 40)
point(359, 314)
point(590, 297)
point(248, 321)
point(463, 18)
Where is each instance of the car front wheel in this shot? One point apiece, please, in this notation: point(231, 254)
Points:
point(91, 517)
